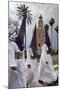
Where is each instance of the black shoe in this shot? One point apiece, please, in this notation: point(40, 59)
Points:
point(40, 81)
point(53, 83)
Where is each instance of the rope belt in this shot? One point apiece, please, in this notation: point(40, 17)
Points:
point(18, 55)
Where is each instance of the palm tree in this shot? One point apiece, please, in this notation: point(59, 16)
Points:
point(24, 13)
point(46, 27)
point(51, 22)
point(14, 23)
point(56, 29)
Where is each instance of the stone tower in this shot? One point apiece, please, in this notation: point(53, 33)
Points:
point(40, 34)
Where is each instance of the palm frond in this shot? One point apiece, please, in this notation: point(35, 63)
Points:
point(23, 11)
point(52, 21)
point(29, 20)
point(29, 14)
point(28, 10)
point(19, 8)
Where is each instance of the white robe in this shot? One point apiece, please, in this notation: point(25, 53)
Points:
point(17, 77)
point(31, 74)
point(45, 69)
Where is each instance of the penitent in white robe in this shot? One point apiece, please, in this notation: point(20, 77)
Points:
point(16, 78)
point(45, 69)
point(31, 74)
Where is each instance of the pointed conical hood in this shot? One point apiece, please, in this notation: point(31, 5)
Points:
point(20, 38)
point(33, 44)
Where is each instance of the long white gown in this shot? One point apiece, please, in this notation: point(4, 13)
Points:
point(31, 74)
point(16, 78)
point(46, 71)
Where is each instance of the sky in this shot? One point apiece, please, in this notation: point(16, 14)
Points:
point(46, 10)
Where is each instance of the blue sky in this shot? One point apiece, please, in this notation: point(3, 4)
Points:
point(47, 11)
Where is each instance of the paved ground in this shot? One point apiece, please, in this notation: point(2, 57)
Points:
point(55, 59)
